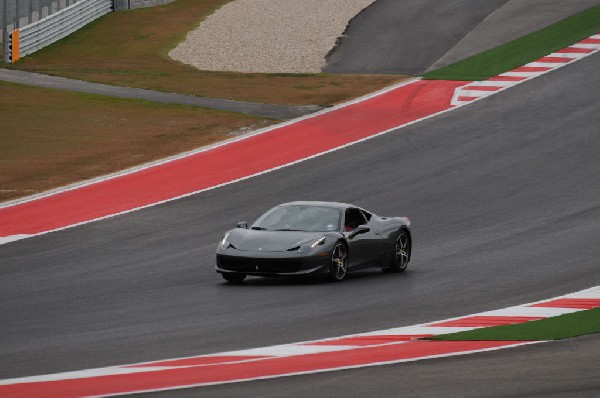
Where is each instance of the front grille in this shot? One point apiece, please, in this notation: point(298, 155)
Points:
point(267, 265)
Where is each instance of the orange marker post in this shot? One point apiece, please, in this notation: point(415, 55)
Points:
point(15, 45)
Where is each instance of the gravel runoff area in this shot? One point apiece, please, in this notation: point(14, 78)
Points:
point(268, 36)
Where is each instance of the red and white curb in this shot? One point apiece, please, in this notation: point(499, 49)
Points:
point(374, 348)
point(481, 89)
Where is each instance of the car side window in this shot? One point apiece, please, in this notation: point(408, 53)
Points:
point(366, 214)
point(353, 218)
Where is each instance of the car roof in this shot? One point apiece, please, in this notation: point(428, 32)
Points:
point(334, 205)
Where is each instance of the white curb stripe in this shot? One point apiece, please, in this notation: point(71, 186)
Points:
point(545, 64)
point(287, 350)
point(574, 56)
point(520, 74)
point(588, 46)
point(544, 312)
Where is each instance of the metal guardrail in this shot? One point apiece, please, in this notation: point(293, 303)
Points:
point(21, 36)
point(61, 24)
point(46, 31)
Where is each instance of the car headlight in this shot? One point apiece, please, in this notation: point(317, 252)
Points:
point(306, 247)
point(225, 244)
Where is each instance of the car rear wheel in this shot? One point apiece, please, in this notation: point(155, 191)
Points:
point(233, 278)
point(339, 263)
point(401, 254)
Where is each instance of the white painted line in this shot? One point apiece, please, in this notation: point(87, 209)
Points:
point(82, 374)
point(569, 55)
point(472, 93)
point(332, 369)
point(492, 83)
point(545, 64)
point(418, 329)
point(590, 46)
point(593, 293)
point(529, 311)
point(287, 350)
point(520, 74)
point(13, 238)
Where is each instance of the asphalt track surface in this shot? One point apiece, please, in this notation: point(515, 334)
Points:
point(272, 111)
point(411, 36)
point(504, 196)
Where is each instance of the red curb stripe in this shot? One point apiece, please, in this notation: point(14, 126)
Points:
point(216, 374)
point(590, 41)
point(484, 321)
point(462, 98)
point(198, 361)
point(501, 78)
point(233, 161)
point(371, 340)
point(585, 304)
point(555, 59)
point(482, 88)
point(574, 50)
point(531, 69)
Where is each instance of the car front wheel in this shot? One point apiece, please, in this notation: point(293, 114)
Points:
point(233, 278)
point(339, 263)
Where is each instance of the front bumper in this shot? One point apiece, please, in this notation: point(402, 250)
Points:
point(271, 263)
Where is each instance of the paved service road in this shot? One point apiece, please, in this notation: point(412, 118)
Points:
point(250, 108)
point(411, 36)
point(504, 196)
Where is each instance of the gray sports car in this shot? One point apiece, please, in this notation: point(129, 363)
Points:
point(314, 238)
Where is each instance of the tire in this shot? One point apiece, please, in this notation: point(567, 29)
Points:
point(233, 278)
point(339, 263)
point(401, 255)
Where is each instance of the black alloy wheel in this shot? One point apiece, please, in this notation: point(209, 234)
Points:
point(233, 278)
point(401, 253)
point(339, 263)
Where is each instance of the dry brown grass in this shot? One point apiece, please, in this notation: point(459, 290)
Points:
point(50, 138)
point(130, 49)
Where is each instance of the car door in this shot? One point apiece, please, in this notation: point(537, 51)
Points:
point(375, 236)
point(362, 246)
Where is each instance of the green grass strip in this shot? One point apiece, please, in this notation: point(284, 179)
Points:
point(523, 50)
point(553, 328)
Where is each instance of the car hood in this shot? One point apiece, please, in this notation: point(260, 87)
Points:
point(268, 241)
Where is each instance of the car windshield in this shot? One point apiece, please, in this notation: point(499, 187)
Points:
point(299, 218)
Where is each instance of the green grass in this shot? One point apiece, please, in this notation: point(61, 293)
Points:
point(554, 328)
point(51, 138)
point(523, 50)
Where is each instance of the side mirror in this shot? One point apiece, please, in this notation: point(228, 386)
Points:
point(361, 229)
point(242, 224)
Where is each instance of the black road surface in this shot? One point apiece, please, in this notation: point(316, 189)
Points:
point(410, 36)
point(504, 197)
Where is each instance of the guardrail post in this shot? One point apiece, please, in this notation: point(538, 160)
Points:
point(17, 13)
point(5, 32)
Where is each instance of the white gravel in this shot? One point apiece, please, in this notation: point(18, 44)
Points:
point(268, 36)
